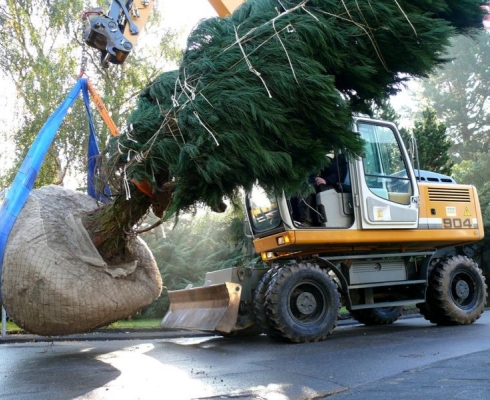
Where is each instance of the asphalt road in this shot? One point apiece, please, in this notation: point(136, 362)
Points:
point(410, 359)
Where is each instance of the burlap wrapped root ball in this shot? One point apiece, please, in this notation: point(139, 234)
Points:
point(54, 281)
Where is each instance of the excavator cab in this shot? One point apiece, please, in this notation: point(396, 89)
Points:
point(376, 191)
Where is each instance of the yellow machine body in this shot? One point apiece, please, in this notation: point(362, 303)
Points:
point(379, 231)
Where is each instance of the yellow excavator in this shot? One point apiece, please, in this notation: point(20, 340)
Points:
point(382, 237)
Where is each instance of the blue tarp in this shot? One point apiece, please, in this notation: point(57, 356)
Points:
point(27, 174)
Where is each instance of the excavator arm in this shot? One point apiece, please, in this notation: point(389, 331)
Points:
point(116, 33)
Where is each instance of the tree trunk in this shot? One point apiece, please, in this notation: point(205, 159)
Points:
point(111, 226)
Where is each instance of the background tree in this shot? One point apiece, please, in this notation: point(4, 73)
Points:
point(475, 172)
point(40, 53)
point(458, 92)
point(197, 244)
point(386, 112)
point(433, 144)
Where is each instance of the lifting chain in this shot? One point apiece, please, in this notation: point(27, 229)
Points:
point(83, 61)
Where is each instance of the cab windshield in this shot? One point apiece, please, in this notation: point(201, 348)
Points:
point(264, 214)
point(384, 166)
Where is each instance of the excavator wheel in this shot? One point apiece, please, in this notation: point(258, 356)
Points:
point(245, 326)
point(377, 316)
point(261, 319)
point(457, 291)
point(429, 313)
point(302, 303)
point(426, 310)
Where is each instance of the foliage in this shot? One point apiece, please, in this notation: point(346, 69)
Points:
point(458, 93)
point(195, 245)
point(264, 94)
point(475, 172)
point(31, 48)
point(386, 112)
point(433, 144)
point(40, 50)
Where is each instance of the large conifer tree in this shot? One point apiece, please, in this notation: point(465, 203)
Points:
point(262, 95)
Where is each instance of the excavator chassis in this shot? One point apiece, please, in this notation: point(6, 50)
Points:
point(299, 301)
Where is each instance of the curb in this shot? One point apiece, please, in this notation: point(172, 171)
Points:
point(136, 334)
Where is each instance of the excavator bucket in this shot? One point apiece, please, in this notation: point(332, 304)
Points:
point(206, 308)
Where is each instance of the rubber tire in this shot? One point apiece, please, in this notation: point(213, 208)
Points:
point(426, 310)
point(260, 315)
point(313, 285)
point(457, 291)
point(377, 316)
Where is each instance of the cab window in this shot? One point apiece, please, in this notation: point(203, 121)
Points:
point(384, 167)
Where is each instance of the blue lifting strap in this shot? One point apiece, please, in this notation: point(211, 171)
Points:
point(26, 176)
point(92, 153)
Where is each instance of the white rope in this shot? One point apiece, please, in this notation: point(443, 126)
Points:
point(284, 47)
point(406, 17)
point(128, 134)
point(207, 101)
point(139, 157)
point(250, 66)
point(373, 41)
point(205, 127)
point(126, 183)
point(172, 131)
point(189, 88)
point(287, 11)
point(186, 89)
point(310, 13)
point(175, 103)
point(119, 147)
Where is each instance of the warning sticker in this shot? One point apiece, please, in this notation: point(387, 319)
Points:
point(467, 212)
point(382, 213)
point(451, 211)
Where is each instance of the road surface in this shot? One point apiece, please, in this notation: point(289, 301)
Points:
point(411, 359)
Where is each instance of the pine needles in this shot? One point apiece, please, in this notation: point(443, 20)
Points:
point(263, 95)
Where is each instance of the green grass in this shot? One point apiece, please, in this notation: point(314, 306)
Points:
point(13, 329)
point(135, 324)
point(125, 324)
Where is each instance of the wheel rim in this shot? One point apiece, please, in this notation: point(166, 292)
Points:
point(307, 303)
point(463, 290)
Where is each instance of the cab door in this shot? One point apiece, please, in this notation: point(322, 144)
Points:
point(386, 190)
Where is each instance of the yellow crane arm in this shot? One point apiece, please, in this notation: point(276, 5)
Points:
point(225, 7)
point(141, 10)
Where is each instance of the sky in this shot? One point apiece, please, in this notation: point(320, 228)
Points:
point(178, 14)
point(185, 14)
